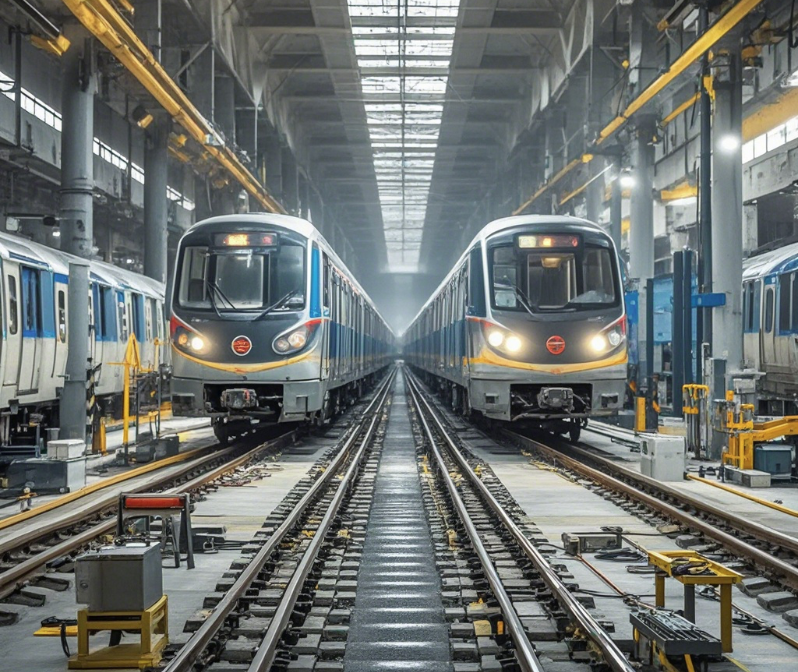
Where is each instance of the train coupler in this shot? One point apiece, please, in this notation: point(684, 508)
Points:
point(239, 398)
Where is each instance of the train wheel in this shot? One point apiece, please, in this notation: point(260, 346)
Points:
point(222, 432)
point(575, 431)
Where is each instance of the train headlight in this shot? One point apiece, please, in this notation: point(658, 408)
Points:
point(182, 339)
point(598, 343)
point(185, 338)
point(197, 343)
point(513, 344)
point(295, 339)
point(496, 338)
point(610, 337)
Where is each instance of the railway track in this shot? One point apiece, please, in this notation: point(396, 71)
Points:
point(289, 555)
point(771, 552)
point(483, 507)
point(26, 553)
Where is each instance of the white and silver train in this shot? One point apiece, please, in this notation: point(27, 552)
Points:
point(35, 334)
point(269, 325)
point(770, 327)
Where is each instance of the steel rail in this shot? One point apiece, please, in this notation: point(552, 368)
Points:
point(525, 654)
point(13, 577)
point(612, 655)
point(786, 573)
point(185, 658)
point(741, 524)
point(267, 650)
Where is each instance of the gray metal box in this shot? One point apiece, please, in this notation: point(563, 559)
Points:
point(662, 457)
point(120, 578)
point(774, 458)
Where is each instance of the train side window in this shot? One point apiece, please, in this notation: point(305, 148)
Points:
point(13, 305)
point(769, 309)
point(121, 315)
point(757, 304)
point(326, 281)
point(31, 319)
point(62, 316)
point(748, 295)
point(784, 303)
point(794, 325)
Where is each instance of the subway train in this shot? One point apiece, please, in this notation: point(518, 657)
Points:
point(268, 325)
point(35, 336)
point(529, 326)
point(770, 326)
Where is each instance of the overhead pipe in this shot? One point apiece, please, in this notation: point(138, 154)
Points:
point(103, 21)
point(704, 43)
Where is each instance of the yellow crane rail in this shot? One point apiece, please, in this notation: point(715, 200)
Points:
point(103, 21)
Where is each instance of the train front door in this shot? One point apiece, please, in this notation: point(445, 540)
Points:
point(29, 361)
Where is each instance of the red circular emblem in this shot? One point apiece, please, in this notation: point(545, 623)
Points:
point(241, 345)
point(555, 345)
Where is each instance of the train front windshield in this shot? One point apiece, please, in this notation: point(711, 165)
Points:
point(552, 275)
point(243, 279)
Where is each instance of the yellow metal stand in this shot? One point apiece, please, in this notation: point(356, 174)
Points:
point(667, 561)
point(152, 623)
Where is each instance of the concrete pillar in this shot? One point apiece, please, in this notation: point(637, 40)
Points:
point(641, 233)
point(78, 85)
point(594, 194)
point(290, 182)
point(73, 399)
point(201, 83)
point(202, 199)
point(225, 107)
point(616, 208)
point(727, 217)
point(155, 202)
point(247, 134)
point(273, 159)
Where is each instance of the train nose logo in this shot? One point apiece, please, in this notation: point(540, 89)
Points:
point(241, 345)
point(555, 345)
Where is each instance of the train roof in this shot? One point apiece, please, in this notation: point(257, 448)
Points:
point(781, 260)
point(504, 224)
point(23, 250)
point(300, 226)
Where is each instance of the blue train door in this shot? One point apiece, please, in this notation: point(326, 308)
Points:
point(28, 379)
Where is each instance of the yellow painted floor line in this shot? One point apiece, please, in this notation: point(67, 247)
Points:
point(745, 495)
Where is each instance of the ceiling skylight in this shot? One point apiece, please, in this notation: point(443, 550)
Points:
point(404, 49)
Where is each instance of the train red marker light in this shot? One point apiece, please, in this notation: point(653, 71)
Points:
point(556, 345)
point(241, 345)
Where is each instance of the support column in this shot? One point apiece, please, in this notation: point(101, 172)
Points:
point(156, 162)
point(616, 208)
point(641, 232)
point(274, 167)
point(79, 84)
point(290, 182)
point(225, 107)
point(727, 219)
point(73, 399)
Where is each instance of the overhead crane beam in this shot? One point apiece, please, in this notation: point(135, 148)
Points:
point(719, 29)
point(103, 21)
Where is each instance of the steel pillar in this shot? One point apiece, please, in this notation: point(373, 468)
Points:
point(78, 86)
point(155, 202)
point(727, 218)
point(224, 114)
point(616, 211)
point(704, 259)
point(641, 232)
point(290, 182)
point(73, 399)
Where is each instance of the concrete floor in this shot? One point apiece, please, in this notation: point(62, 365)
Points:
point(557, 505)
point(241, 509)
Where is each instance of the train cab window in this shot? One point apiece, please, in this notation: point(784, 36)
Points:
point(13, 305)
point(769, 309)
point(504, 277)
point(193, 289)
point(784, 303)
point(62, 327)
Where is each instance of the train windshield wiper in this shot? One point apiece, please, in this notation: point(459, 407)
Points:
point(522, 298)
point(277, 304)
point(215, 289)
